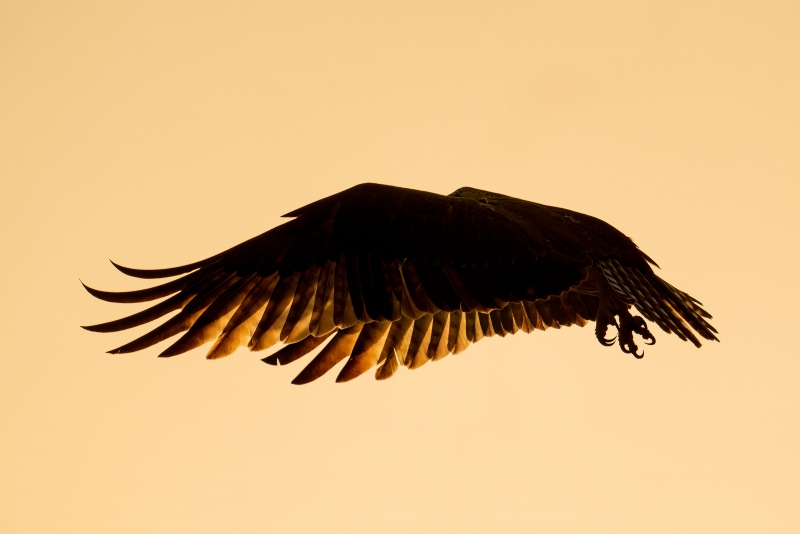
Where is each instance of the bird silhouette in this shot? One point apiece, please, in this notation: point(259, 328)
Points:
point(390, 276)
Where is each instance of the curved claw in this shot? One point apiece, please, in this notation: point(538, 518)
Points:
point(631, 348)
point(640, 327)
point(603, 322)
point(607, 342)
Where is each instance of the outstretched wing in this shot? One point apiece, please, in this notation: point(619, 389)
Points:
point(400, 276)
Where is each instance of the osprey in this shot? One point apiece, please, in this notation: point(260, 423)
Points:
point(397, 276)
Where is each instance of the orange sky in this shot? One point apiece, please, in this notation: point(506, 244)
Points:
point(159, 133)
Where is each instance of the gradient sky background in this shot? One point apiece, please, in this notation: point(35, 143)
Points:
point(157, 133)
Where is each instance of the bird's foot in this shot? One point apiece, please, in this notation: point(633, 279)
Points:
point(626, 327)
point(603, 320)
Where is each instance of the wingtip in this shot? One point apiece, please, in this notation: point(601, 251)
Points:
point(129, 271)
point(303, 378)
point(87, 288)
point(96, 293)
point(125, 349)
point(117, 266)
point(173, 350)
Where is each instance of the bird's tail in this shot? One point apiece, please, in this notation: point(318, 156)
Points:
point(658, 301)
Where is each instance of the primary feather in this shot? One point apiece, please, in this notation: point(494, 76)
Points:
point(401, 277)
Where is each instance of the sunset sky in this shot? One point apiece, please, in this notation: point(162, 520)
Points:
point(158, 133)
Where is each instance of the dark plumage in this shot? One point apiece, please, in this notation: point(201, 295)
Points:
point(397, 276)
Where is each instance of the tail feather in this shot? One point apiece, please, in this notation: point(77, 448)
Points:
point(671, 309)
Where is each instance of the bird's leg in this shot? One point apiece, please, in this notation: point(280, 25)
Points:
point(605, 317)
point(611, 309)
point(640, 327)
point(626, 329)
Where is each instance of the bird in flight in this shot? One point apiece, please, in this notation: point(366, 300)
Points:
point(389, 276)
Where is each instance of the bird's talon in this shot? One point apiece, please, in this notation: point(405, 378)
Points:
point(607, 342)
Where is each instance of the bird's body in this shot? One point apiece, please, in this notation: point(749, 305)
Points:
point(399, 276)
